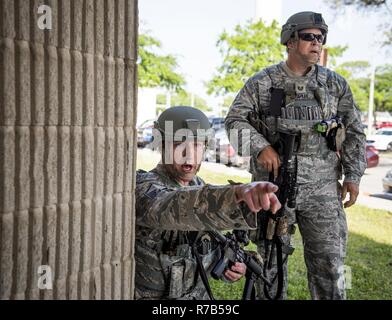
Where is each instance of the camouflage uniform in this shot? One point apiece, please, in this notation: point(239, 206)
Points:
point(320, 94)
point(169, 217)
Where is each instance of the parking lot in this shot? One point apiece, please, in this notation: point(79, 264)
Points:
point(371, 190)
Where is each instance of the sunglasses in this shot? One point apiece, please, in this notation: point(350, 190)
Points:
point(311, 37)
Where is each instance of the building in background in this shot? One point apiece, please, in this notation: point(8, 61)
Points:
point(146, 104)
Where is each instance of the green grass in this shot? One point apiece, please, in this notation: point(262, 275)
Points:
point(369, 252)
point(369, 258)
point(147, 161)
point(218, 178)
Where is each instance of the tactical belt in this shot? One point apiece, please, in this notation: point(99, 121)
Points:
point(200, 240)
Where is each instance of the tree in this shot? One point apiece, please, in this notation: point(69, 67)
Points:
point(155, 70)
point(357, 75)
point(161, 99)
point(249, 49)
point(381, 6)
point(355, 72)
point(184, 98)
point(353, 69)
point(228, 100)
point(334, 53)
point(383, 88)
point(360, 4)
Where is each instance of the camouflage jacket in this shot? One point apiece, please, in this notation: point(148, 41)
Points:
point(334, 98)
point(166, 215)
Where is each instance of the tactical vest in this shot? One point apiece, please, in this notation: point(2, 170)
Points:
point(181, 272)
point(178, 266)
point(308, 100)
point(167, 260)
point(306, 104)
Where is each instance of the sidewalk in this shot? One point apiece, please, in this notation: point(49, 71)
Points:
point(371, 191)
point(367, 197)
point(376, 201)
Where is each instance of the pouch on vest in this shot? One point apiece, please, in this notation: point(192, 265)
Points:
point(176, 276)
point(334, 132)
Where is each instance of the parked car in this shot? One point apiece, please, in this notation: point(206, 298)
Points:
point(372, 157)
point(384, 124)
point(387, 181)
point(382, 140)
point(144, 133)
point(217, 122)
point(221, 151)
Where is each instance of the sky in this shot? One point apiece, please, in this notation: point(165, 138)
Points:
point(189, 30)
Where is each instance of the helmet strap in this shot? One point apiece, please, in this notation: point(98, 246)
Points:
point(296, 37)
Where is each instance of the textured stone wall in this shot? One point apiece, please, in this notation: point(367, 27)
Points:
point(67, 148)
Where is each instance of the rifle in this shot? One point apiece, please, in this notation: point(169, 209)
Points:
point(275, 225)
point(231, 252)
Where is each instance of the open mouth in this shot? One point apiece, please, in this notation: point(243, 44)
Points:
point(187, 168)
point(315, 52)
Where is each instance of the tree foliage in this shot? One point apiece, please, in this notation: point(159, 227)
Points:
point(361, 4)
point(255, 46)
point(357, 74)
point(383, 88)
point(184, 98)
point(247, 50)
point(155, 70)
point(380, 6)
point(334, 53)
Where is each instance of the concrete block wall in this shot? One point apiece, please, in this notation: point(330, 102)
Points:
point(67, 148)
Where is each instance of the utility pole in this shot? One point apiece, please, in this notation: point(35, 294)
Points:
point(323, 57)
point(371, 100)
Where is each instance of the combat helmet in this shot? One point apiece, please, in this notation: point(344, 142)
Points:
point(303, 20)
point(182, 122)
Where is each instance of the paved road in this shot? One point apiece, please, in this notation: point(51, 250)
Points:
point(371, 190)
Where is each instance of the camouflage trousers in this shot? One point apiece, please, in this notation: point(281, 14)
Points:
point(322, 223)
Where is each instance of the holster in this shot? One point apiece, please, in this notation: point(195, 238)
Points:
point(335, 138)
